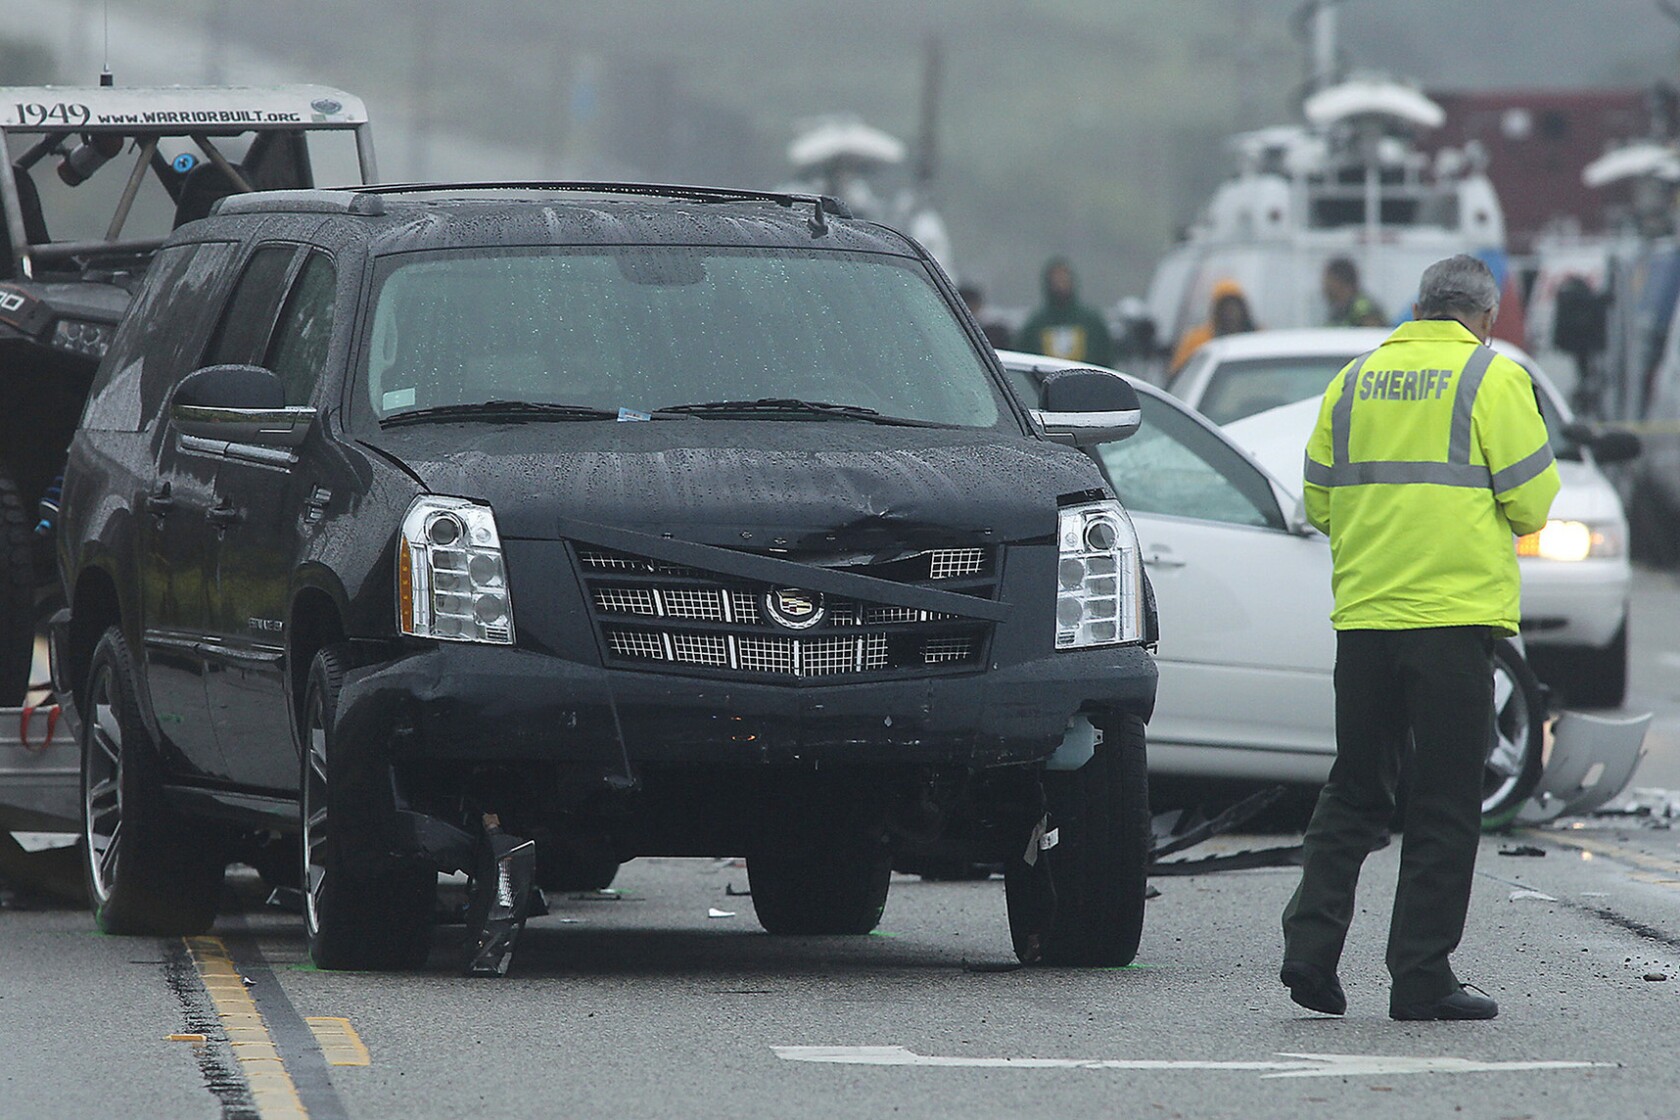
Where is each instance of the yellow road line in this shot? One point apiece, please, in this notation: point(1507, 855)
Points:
point(272, 1090)
point(1668, 870)
point(340, 1044)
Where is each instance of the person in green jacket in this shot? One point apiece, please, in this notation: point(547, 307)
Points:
point(1063, 327)
point(1428, 455)
point(1348, 304)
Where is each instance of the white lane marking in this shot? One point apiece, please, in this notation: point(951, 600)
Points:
point(1671, 660)
point(1300, 1065)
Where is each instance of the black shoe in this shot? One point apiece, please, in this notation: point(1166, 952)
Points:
point(1462, 1004)
point(1313, 987)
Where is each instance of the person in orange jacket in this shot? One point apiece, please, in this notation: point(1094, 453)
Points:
point(1228, 313)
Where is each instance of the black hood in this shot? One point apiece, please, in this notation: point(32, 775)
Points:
point(819, 486)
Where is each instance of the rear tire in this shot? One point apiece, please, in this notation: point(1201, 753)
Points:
point(150, 872)
point(1100, 863)
point(17, 595)
point(820, 872)
point(361, 910)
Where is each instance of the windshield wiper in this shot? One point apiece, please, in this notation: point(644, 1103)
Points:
point(500, 410)
point(795, 406)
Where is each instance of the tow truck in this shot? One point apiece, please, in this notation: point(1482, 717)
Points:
point(98, 178)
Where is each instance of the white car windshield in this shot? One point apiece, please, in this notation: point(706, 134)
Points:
point(650, 328)
point(1238, 389)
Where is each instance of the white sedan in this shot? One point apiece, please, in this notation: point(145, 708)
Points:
point(1243, 590)
point(1575, 571)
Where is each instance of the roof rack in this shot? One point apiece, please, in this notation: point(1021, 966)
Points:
point(821, 204)
point(309, 201)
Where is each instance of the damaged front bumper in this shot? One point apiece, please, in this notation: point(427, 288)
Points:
point(482, 704)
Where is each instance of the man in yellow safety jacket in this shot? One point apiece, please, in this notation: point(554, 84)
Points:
point(1428, 455)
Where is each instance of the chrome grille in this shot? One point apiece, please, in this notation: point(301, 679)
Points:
point(625, 600)
point(823, 657)
point(875, 653)
point(636, 643)
point(766, 655)
point(744, 604)
point(685, 602)
point(949, 563)
point(700, 649)
point(886, 616)
point(941, 651)
point(646, 611)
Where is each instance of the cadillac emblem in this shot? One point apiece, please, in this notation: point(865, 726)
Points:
point(793, 609)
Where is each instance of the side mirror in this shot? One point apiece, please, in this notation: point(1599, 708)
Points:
point(1083, 407)
point(1609, 445)
point(238, 404)
point(1298, 523)
point(1616, 445)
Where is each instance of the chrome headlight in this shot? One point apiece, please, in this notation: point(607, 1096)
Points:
point(1571, 541)
point(451, 581)
point(1099, 589)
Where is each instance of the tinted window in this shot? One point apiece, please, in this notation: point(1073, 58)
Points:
point(1239, 389)
point(647, 328)
point(299, 349)
point(173, 329)
point(242, 335)
point(113, 403)
point(1175, 466)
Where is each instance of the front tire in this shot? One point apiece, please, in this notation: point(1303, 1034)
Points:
point(1516, 752)
point(1100, 863)
point(360, 911)
point(149, 872)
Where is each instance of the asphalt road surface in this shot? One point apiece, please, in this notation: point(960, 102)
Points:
point(665, 999)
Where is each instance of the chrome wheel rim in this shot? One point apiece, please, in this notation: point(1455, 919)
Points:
point(102, 807)
point(1508, 753)
point(314, 814)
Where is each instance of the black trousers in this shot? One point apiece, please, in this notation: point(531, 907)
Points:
point(1432, 688)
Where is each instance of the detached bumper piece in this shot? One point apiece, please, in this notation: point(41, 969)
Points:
point(1604, 749)
point(503, 884)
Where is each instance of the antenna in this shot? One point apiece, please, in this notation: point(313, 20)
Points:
point(105, 78)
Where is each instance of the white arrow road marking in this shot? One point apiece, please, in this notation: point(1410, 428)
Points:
point(1301, 1065)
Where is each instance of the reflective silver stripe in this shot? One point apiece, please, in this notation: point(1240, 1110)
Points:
point(1399, 473)
point(1464, 404)
point(1341, 413)
point(1523, 470)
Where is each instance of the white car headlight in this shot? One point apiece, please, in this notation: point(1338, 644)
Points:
point(451, 581)
point(1571, 541)
point(1099, 585)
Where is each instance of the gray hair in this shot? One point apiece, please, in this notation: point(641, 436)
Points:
point(1460, 285)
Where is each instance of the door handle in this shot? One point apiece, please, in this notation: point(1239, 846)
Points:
point(223, 516)
point(158, 502)
point(1162, 558)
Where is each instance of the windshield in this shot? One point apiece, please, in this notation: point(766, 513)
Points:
point(647, 328)
point(1239, 389)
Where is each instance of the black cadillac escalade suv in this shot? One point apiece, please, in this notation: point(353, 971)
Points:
point(524, 530)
